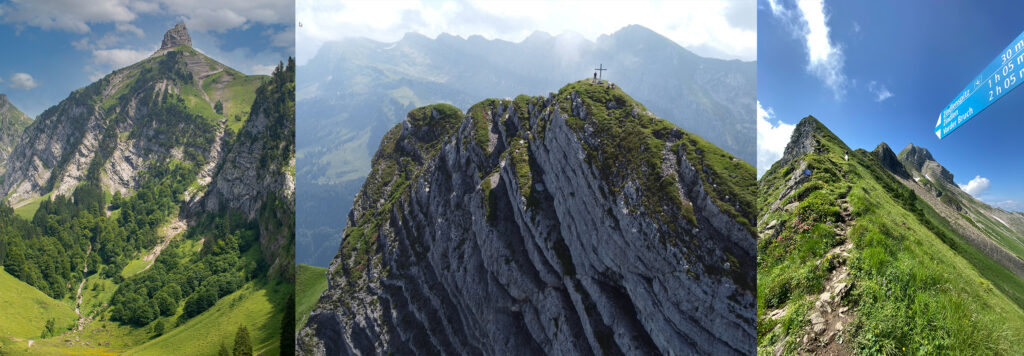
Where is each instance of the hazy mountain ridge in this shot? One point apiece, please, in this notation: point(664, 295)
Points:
point(354, 90)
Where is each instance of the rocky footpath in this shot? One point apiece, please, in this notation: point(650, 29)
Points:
point(510, 231)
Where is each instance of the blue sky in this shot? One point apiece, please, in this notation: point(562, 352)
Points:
point(882, 71)
point(53, 47)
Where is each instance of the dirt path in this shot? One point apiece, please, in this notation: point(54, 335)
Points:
point(829, 317)
point(168, 233)
point(78, 299)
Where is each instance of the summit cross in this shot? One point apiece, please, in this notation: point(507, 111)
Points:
point(600, 69)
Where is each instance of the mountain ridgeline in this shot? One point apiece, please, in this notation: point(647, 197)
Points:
point(12, 123)
point(158, 203)
point(878, 253)
point(576, 223)
point(353, 91)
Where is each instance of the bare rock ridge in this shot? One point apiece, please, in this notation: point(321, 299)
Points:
point(920, 160)
point(804, 139)
point(506, 231)
point(177, 36)
point(12, 124)
point(890, 161)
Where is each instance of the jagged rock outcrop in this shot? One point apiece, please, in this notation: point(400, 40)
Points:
point(257, 175)
point(570, 224)
point(177, 36)
point(919, 160)
point(803, 140)
point(12, 123)
point(152, 111)
point(889, 160)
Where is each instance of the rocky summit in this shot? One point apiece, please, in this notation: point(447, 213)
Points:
point(177, 36)
point(576, 223)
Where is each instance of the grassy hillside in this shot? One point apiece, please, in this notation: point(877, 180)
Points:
point(917, 287)
point(257, 306)
point(33, 309)
point(310, 282)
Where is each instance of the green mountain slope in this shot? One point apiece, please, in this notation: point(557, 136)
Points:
point(125, 229)
point(26, 312)
point(310, 283)
point(852, 260)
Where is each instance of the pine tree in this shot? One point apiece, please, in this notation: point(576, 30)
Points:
point(288, 328)
point(243, 343)
point(223, 350)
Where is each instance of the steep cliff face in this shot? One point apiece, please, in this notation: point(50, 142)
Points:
point(257, 176)
point(576, 223)
point(920, 161)
point(12, 123)
point(159, 109)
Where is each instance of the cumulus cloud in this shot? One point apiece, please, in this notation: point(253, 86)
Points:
point(68, 15)
point(120, 57)
point(880, 91)
point(22, 81)
point(809, 22)
point(724, 29)
point(771, 138)
point(200, 15)
point(127, 27)
point(976, 186)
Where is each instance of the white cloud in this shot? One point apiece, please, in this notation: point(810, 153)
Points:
point(263, 68)
point(809, 22)
point(217, 20)
point(22, 81)
point(68, 15)
point(120, 57)
point(771, 139)
point(976, 186)
point(714, 28)
point(127, 27)
point(880, 91)
point(200, 15)
point(1009, 205)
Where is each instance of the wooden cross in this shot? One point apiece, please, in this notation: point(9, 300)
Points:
point(600, 69)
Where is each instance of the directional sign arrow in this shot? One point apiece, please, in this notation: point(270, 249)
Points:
point(998, 78)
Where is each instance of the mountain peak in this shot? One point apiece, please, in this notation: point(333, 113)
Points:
point(177, 36)
point(890, 161)
point(803, 139)
point(919, 159)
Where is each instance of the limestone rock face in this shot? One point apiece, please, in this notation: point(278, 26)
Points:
point(177, 36)
point(255, 176)
point(463, 262)
point(890, 161)
point(920, 160)
point(12, 123)
point(121, 124)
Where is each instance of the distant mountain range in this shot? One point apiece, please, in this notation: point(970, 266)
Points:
point(352, 91)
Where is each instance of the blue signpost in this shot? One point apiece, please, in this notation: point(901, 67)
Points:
point(998, 78)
